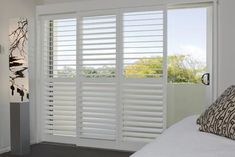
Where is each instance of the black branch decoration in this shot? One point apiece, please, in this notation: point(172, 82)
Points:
point(17, 58)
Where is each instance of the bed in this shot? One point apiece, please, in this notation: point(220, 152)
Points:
point(184, 140)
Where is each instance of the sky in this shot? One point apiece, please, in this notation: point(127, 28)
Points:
point(187, 32)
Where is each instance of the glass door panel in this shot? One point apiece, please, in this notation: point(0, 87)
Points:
point(189, 62)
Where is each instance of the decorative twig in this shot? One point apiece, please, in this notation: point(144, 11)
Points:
point(20, 36)
point(17, 55)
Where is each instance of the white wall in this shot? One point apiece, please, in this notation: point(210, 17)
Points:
point(226, 43)
point(12, 9)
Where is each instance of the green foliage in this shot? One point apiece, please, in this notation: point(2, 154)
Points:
point(100, 72)
point(181, 69)
point(67, 71)
point(145, 68)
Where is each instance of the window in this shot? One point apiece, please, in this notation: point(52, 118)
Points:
point(104, 78)
point(104, 72)
point(98, 47)
point(190, 55)
point(143, 44)
point(187, 44)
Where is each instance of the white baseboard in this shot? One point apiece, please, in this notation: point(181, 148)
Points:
point(4, 150)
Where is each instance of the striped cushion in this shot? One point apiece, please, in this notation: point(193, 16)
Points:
point(219, 118)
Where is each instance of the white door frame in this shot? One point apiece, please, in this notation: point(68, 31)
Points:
point(47, 10)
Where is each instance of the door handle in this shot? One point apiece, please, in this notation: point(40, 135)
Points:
point(207, 80)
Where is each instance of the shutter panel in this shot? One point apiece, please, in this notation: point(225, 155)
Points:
point(142, 88)
point(97, 78)
point(59, 46)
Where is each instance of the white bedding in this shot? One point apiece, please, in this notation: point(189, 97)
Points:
point(184, 140)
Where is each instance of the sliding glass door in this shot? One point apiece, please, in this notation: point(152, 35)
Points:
point(104, 73)
point(190, 57)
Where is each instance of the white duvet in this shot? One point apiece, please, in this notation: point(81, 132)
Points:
point(184, 140)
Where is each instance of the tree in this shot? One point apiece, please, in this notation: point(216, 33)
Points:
point(184, 69)
point(181, 69)
point(99, 72)
point(145, 68)
point(67, 71)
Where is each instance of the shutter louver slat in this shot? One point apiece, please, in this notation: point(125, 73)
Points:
point(59, 73)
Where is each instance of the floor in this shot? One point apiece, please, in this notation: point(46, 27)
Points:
point(56, 150)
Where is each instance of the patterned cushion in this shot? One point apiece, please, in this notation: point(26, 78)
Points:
point(219, 118)
point(219, 101)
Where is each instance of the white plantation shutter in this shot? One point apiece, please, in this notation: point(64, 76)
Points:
point(143, 84)
point(104, 78)
point(59, 71)
point(98, 88)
